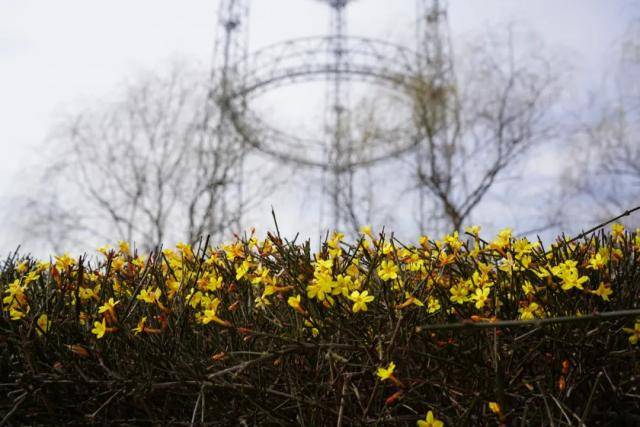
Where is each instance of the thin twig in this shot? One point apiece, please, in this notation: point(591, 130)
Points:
point(16, 405)
point(587, 408)
point(342, 400)
point(603, 224)
point(195, 407)
point(498, 324)
point(104, 405)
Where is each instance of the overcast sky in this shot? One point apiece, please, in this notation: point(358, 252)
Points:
point(57, 55)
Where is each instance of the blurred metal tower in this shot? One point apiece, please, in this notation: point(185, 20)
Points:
point(435, 63)
point(337, 121)
point(230, 47)
point(433, 41)
point(231, 44)
point(337, 59)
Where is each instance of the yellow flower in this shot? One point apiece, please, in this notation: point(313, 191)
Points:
point(353, 270)
point(528, 288)
point(503, 240)
point(334, 245)
point(86, 293)
point(234, 251)
point(186, 250)
point(430, 421)
point(507, 264)
point(139, 262)
point(242, 270)
point(360, 300)
point(336, 239)
point(597, 262)
point(140, 328)
point(410, 299)
point(523, 247)
point(15, 294)
point(22, 267)
point(635, 333)
point(295, 303)
point(453, 241)
point(529, 312)
point(480, 296)
point(458, 294)
point(314, 331)
point(386, 373)
point(109, 306)
point(387, 248)
point(324, 265)
point(64, 261)
point(261, 275)
point(617, 231)
point(542, 273)
point(342, 285)
point(267, 247)
point(269, 290)
point(474, 230)
point(262, 301)
point(32, 276)
point(42, 266)
point(214, 283)
point(117, 264)
point(321, 286)
point(150, 297)
point(387, 270)
point(43, 324)
point(494, 407)
point(446, 258)
point(366, 229)
point(124, 247)
point(525, 262)
point(194, 298)
point(99, 328)
point(104, 250)
point(602, 291)
point(433, 305)
point(210, 315)
point(565, 267)
point(16, 314)
point(570, 279)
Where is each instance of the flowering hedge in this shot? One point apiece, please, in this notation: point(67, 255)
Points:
point(452, 331)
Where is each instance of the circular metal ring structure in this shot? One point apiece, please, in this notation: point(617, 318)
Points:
point(314, 59)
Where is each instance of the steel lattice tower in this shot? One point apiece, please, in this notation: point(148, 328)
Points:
point(337, 59)
point(337, 122)
point(230, 47)
point(435, 61)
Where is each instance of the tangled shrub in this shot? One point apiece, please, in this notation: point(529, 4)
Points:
point(451, 331)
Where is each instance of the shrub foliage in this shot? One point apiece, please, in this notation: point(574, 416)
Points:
point(460, 330)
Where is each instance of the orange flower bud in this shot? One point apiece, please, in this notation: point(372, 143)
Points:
point(233, 307)
point(219, 356)
point(78, 350)
point(562, 384)
point(395, 396)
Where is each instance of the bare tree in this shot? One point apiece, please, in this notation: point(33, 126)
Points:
point(149, 167)
point(474, 119)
